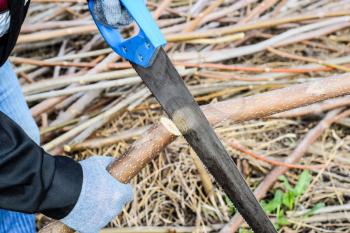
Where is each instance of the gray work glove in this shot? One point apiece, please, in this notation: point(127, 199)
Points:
point(101, 199)
point(111, 13)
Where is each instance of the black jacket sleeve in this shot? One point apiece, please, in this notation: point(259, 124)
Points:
point(33, 181)
point(18, 10)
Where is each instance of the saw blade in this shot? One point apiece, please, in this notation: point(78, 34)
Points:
point(171, 92)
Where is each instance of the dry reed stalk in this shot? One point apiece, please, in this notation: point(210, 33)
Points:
point(254, 69)
point(101, 117)
point(51, 84)
point(100, 142)
point(58, 1)
point(203, 174)
point(198, 19)
point(178, 229)
point(316, 108)
point(308, 59)
point(244, 150)
point(43, 36)
point(127, 102)
point(220, 40)
point(19, 60)
point(80, 105)
point(29, 28)
point(159, 11)
point(47, 105)
point(258, 10)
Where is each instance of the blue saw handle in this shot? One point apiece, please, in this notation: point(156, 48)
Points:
point(141, 48)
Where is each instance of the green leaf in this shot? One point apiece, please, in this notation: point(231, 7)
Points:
point(281, 220)
point(314, 209)
point(288, 199)
point(275, 203)
point(276, 226)
point(243, 230)
point(286, 184)
point(303, 182)
point(230, 205)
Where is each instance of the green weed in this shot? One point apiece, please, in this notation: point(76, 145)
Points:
point(287, 199)
point(283, 200)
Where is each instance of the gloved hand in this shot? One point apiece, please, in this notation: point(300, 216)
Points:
point(101, 199)
point(111, 13)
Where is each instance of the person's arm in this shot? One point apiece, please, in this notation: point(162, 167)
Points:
point(33, 181)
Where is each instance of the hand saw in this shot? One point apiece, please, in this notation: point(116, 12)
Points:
point(146, 54)
point(144, 51)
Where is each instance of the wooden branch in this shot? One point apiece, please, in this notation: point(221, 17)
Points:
point(194, 23)
point(100, 142)
point(203, 174)
point(63, 81)
point(312, 109)
point(164, 4)
point(59, 1)
point(21, 60)
point(272, 102)
point(129, 165)
point(42, 36)
point(316, 108)
point(261, 8)
point(235, 145)
point(307, 59)
point(159, 136)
